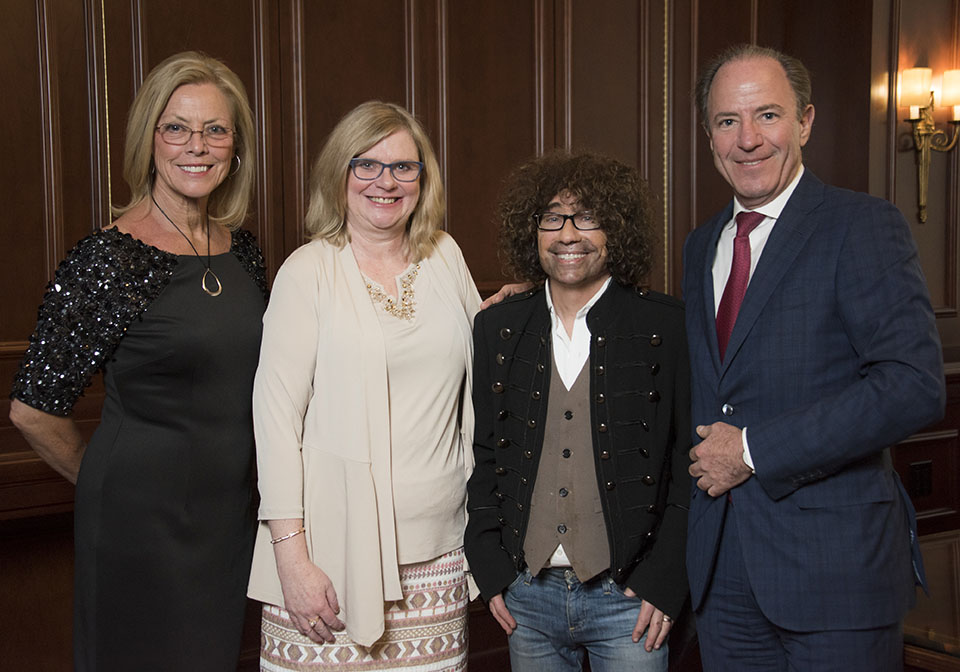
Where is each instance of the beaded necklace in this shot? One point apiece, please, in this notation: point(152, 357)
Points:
point(404, 309)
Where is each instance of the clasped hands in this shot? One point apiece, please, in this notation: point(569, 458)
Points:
point(717, 461)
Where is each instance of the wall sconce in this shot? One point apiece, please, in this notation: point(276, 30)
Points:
point(916, 93)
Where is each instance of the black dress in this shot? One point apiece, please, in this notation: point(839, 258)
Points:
point(164, 513)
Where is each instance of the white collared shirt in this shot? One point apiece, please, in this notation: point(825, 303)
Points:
point(723, 260)
point(571, 352)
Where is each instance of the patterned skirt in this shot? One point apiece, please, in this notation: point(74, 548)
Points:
point(426, 631)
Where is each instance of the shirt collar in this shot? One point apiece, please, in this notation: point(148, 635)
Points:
point(582, 313)
point(776, 206)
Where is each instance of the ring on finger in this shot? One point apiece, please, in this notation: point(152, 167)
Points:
point(666, 619)
point(313, 622)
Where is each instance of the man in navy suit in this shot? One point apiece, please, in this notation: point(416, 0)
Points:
point(813, 349)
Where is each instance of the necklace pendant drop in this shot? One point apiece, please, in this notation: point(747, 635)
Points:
point(203, 283)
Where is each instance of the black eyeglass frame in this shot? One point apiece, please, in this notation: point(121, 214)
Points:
point(538, 218)
point(391, 166)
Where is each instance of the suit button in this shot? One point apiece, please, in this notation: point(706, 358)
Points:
point(500, 358)
point(543, 340)
point(648, 480)
point(610, 485)
point(499, 495)
point(601, 398)
point(523, 480)
point(540, 368)
point(601, 341)
point(727, 410)
point(516, 532)
point(568, 415)
point(503, 443)
point(564, 492)
point(654, 368)
point(528, 454)
point(604, 454)
point(500, 471)
point(566, 452)
point(651, 508)
point(506, 333)
point(502, 415)
point(600, 370)
point(602, 428)
point(644, 452)
point(531, 423)
point(655, 340)
point(519, 506)
point(646, 427)
point(653, 396)
point(535, 395)
point(497, 387)
point(561, 528)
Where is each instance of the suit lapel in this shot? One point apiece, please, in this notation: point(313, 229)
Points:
point(709, 298)
point(789, 235)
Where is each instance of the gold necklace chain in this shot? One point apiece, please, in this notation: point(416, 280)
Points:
point(404, 309)
point(209, 271)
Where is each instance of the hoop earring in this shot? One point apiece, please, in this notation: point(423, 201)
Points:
point(237, 170)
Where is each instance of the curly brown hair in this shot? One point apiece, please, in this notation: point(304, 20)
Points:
point(611, 189)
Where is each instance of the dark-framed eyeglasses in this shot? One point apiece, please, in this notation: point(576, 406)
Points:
point(554, 221)
point(371, 169)
point(214, 135)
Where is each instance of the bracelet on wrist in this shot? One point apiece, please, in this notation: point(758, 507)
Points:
point(277, 540)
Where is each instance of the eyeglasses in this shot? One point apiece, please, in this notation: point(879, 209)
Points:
point(371, 169)
point(554, 221)
point(214, 135)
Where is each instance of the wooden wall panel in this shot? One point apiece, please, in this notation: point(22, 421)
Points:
point(492, 67)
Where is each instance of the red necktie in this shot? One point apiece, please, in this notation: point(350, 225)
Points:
point(736, 287)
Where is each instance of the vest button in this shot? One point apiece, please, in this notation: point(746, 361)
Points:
point(564, 492)
point(648, 480)
point(497, 387)
point(566, 452)
point(727, 410)
point(604, 454)
point(506, 333)
point(655, 340)
point(610, 485)
point(561, 528)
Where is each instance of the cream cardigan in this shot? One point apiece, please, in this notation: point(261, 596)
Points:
point(321, 421)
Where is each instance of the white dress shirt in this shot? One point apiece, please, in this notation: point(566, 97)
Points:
point(723, 261)
point(570, 353)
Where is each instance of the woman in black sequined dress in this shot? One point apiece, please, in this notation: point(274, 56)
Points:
point(167, 300)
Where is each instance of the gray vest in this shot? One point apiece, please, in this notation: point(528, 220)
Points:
point(565, 508)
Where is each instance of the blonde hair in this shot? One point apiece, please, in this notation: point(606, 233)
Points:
point(359, 130)
point(229, 203)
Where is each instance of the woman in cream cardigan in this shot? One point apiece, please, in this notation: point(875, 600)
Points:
point(362, 427)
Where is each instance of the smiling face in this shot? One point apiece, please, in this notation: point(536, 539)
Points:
point(192, 171)
point(574, 260)
point(754, 132)
point(384, 204)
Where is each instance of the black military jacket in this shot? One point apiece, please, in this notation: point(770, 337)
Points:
point(640, 417)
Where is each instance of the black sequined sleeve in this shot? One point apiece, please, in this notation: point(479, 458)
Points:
point(245, 249)
point(105, 283)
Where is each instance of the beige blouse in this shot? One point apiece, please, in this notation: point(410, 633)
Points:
point(322, 421)
point(425, 373)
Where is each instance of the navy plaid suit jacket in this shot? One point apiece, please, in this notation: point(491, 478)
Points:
point(834, 357)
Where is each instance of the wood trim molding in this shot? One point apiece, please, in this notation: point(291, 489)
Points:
point(98, 101)
point(52, 148)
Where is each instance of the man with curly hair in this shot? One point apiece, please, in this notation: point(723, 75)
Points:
point(578, 501)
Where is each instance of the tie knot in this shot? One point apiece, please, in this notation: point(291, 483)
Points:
point(747, 221)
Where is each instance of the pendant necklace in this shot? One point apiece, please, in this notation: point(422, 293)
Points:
point(209, 271)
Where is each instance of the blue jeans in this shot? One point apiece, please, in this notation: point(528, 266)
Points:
point(559, 619)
